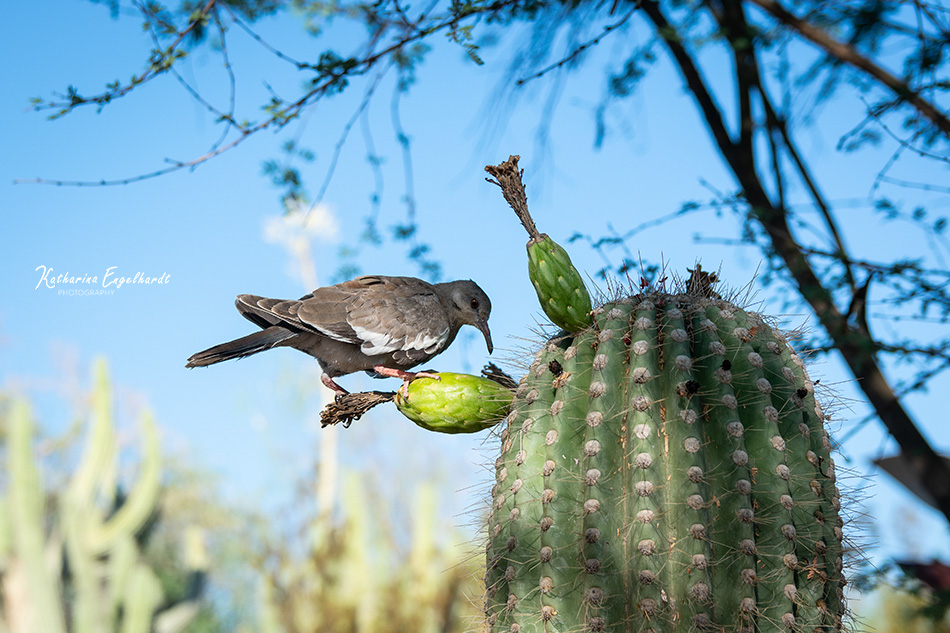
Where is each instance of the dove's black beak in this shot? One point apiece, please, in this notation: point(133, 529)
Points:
point(482, 325)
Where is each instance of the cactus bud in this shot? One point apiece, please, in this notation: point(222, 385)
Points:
point(560, 288)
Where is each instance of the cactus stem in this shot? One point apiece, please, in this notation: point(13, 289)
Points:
point(667, 470)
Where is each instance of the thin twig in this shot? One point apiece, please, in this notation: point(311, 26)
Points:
point(207, 105)
point(232, 80)
point(580, 49)
point(914, 185)
point(338, 148)
point(155, 69)
point(287, 113)
point(875, 115)
point(267, 46)
point(778, 123)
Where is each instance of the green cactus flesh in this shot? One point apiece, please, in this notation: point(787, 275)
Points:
point(666, 470)
point(560, 288)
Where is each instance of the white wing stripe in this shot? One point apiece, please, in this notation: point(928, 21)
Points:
point(332, 334)
point(382, 343)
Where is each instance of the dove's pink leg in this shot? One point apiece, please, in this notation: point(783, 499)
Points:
point(407, 376)
point(332, 385)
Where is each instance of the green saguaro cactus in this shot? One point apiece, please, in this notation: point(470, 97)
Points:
point(664, 468)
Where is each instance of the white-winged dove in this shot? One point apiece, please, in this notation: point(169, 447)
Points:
point(381, 325)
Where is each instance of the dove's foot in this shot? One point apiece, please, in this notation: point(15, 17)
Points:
point(407, 377)
point(332, 385)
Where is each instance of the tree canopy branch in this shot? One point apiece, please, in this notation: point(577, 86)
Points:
point(850, 56)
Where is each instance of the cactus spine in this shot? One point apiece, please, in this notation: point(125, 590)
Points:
point(666, 470)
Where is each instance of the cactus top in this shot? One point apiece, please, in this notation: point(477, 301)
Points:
point(666, 469)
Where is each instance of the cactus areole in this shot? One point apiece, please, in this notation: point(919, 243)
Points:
point(665, 469)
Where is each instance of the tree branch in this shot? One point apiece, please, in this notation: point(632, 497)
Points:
point(280, 113)
point(749, 75)
point(160, 62)
point(778, 124)
point(852, 57)
point(734, 27)
point(579, 50)
point(855, 345)
point(691, 74)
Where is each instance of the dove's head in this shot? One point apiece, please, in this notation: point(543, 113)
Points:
point(469, 305)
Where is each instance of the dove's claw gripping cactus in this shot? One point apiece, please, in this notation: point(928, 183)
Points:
point(560, 288)
point(667, 470)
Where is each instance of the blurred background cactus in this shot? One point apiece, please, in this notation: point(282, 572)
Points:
point(71, 559)
point(82, 552)
point(359, 572)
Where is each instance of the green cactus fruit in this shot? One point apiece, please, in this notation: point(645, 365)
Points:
point(666, 470)
point(455, 403)
point(560, 288)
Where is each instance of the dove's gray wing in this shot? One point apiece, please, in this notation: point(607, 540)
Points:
point(383, 315)
point(406, 319)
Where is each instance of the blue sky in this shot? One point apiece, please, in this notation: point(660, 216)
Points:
point(254, 422)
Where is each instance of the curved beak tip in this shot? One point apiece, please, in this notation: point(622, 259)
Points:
point(483, 327)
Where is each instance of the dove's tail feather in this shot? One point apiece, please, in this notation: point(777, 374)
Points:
point(239, 348)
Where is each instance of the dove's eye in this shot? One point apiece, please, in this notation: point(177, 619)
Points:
point(474, 304)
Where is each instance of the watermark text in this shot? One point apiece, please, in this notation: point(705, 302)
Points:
point(68, 284)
